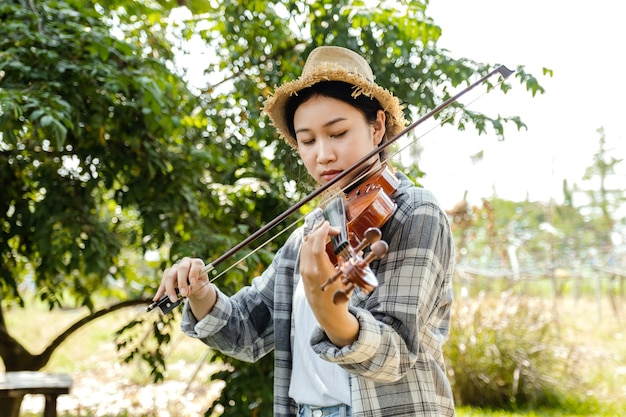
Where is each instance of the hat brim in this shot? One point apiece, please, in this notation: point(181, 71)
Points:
point(275, 105)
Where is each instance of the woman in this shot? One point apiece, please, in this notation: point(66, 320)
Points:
point(378, 354)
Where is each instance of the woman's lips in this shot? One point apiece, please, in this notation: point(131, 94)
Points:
point(330, 174)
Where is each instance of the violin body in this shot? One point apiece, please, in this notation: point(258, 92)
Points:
point(373, 209)
point(367, 207)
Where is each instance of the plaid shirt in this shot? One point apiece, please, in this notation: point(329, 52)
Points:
point(396, 364)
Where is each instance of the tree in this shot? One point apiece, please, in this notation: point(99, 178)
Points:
point(602, 201)
point(108, 153)
point(602, 196)
point(103, 154)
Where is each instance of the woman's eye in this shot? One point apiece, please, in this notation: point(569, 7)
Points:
point(338, 135)
point(306, 141)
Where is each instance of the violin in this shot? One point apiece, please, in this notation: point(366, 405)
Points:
point(358, 216)
point(355, 231)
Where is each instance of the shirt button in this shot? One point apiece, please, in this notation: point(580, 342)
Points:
point(317, 413)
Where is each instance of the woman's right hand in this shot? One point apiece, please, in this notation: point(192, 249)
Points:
point(185, 275)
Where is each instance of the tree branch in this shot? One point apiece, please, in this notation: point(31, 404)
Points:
point(85, 320)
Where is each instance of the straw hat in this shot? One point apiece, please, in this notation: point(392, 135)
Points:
point(334, 63)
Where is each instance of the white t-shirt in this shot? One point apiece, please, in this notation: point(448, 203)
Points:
point(314, 381)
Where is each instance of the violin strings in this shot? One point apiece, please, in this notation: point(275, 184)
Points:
point(255, 250)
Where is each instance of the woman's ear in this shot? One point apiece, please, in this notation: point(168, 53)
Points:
point(379, 127)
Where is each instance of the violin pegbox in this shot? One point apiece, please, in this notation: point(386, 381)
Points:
point(352, 267)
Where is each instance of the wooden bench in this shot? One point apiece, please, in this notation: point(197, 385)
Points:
point(51, 385)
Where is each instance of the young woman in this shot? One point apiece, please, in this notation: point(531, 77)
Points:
point(373, 354)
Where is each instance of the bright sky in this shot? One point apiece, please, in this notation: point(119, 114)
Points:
point(583, 43)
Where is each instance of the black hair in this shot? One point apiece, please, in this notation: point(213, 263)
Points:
point(339, 90)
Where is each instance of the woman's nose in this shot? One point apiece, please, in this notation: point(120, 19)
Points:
point(325, 152)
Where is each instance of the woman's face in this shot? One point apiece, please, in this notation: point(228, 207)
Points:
point(332, 135)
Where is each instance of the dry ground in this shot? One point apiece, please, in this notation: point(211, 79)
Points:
point(107, 391)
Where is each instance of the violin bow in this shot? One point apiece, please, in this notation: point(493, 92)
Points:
point(164, 302)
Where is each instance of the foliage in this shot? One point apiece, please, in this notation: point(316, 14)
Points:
point(85, 146)
point(506, 353)
point(242, 395)
point(145, 338)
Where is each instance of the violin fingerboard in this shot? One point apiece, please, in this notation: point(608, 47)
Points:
point(335, 213)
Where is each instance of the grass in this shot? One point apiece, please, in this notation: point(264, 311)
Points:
point(599, 412)
point(593, 328)
point(599, 334)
